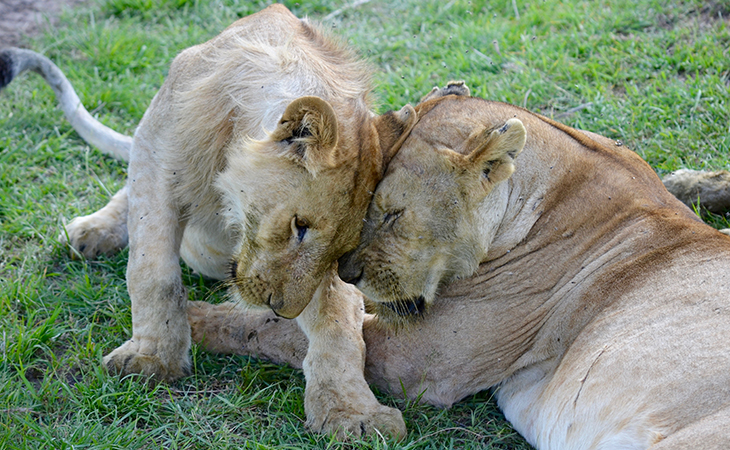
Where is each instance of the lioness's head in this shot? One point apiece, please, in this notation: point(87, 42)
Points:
point(298, 198)
point(424, 225)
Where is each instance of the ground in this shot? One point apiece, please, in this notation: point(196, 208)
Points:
point(20, 19)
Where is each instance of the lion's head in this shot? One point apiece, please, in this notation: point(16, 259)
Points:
point(423, 227)
point(297, 199)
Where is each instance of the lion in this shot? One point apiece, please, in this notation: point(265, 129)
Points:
point(590, 300)
point(255, 163)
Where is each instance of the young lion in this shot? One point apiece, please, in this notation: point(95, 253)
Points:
point(255, 162)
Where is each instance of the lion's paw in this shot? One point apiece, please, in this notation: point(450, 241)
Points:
point(94, 235)
point(387, 421)
point(343, 413)
point(127, 359)
point(458, 88)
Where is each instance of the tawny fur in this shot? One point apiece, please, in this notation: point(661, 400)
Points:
point(256, 160)
point(595, 304)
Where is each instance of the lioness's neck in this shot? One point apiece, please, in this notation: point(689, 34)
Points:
point(565, 222)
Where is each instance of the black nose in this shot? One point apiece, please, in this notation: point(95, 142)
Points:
point(349, 275)
point(352, 279)
point(348, 270)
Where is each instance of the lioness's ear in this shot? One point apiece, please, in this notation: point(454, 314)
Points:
point(309, 128)
point(492, 151)
point(393, 128)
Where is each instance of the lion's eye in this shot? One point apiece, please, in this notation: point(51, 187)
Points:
point(299, 227)
point(391, 216)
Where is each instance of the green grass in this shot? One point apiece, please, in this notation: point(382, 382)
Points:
point(653, 74)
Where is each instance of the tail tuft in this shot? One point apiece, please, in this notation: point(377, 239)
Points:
point(6, 68)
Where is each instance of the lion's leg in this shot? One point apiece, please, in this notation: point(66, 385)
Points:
point(337, 398)
point(233, 329)
point(160, 331)
point(710, 189)
point(421, 361)
point(712, 431)
point(103, 232)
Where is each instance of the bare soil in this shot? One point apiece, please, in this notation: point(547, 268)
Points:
point(20, 19)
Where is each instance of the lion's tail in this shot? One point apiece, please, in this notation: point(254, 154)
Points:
point(14, 61)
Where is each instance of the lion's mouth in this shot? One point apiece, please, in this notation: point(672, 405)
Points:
point(407, 308)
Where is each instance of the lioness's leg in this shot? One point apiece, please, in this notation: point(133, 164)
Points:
point(160, 331)
point(103, 232)
point(424, 360)
point(712, 431)
point(234, 329)
point(337, 398)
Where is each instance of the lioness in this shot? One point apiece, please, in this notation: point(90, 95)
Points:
point(593, 302)
point(255, 162)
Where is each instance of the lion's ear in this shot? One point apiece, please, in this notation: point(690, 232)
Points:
point(309, 128)
point(393, 128)
point(492, 151)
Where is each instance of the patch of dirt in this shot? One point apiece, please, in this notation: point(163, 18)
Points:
point(715, 10)
point(20, 19)
point(711, 12)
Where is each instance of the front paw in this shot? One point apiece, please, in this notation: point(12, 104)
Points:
point(95, 235)
point(329, 413)
point(387, 421)
point(128, 359)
